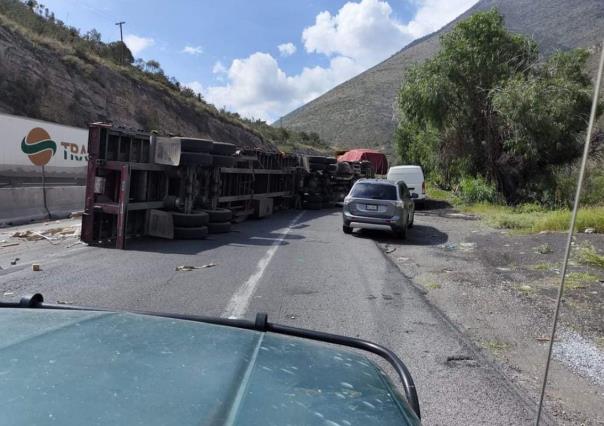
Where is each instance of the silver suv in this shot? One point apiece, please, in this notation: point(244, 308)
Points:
point(378, 202)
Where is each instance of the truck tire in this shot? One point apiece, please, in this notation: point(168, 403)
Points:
point(222, 148)
point(195, 159)
point(195, 145)
point(223, 161)
point(219, 227)
point(190, 233)
point(193, 220)
point(346, 229)
point(219, 215)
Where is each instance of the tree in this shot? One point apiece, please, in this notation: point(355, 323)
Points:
point(483, 106)
point(153, 67)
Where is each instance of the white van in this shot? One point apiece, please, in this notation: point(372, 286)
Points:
point(413, 176)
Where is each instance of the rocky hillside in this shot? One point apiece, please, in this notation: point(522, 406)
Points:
point(362, 111)
point(50, 71)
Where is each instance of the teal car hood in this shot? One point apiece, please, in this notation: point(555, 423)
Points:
point(86, 367)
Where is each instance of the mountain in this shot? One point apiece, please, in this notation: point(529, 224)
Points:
point(361, 112)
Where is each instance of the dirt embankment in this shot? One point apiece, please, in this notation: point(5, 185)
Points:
point(499, 289)
point(41, 82)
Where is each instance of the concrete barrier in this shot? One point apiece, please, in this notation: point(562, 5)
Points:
point(26, 204)
point(62, 200)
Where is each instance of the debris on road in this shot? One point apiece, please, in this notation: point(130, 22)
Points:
point(542, 339)
point(589, 230)
point(187, 268)
point(64, 302)
point(448, 246)
point(8, 293)
point(467, 246)
point(9, 245)
point(544, 249)
point(389, 249)
point(50, 235)
point(35, 267)
point(402, 259)
point(14, 262)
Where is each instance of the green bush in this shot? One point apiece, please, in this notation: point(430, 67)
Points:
point(477, 190)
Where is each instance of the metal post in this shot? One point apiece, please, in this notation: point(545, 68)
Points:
point(122, 39)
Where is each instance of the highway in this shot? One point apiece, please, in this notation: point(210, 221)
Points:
point(300, 268)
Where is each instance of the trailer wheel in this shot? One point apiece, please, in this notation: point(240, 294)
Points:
point(193, 220)
point(195, 159)
point(222, 148)
point(195, 145)
point(219, 227)
point(219, 215)
point(223, 161)
point(190, 233)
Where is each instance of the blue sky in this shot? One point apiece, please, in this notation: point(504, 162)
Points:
point(262, 58)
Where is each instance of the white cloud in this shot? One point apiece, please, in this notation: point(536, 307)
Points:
point(137, 44)
point(287, 49)
point(219, 68)
point(358, 36)
point(192, 50)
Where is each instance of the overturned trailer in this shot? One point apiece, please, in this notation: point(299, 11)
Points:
point(175, 187)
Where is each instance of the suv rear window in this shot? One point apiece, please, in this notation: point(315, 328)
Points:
point(376, 191)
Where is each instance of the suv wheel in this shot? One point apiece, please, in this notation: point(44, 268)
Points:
point(346, 229)
point(411, 220)
point(402, 233)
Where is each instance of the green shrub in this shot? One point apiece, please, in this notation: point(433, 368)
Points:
point(477, 190)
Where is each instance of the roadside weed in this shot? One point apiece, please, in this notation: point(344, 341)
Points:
point(578, 280)
point(495, 346)
point(587, 255)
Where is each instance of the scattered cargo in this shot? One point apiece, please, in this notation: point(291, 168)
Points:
point(184, 188)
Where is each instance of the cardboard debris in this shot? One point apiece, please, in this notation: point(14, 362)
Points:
point(50, 235)
point(35, 267)
point(467, 246)
point(187, 268)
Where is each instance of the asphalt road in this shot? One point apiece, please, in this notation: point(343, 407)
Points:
point(302, 270)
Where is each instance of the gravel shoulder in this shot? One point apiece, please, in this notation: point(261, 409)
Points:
point(499, 289)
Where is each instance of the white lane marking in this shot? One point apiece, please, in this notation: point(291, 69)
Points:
point(241, 299)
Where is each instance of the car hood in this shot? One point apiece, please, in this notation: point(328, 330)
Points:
point(90, 367)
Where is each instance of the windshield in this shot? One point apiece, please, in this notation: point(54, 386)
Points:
point(398, 171)
point(375, 191)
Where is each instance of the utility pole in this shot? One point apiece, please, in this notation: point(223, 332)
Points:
point(122, 39)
